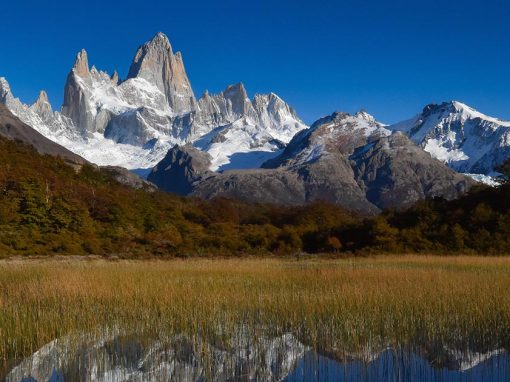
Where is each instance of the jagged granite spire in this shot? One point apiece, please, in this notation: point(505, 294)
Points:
point(238, 98)
point(155, 62)
point(81, 65)
point(75, 106)
point(42, 106)
point(43, 97)
point(115, 77)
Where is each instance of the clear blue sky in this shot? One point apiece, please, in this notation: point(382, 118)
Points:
point(389, 57)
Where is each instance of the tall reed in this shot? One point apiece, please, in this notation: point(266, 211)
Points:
point(340, 307)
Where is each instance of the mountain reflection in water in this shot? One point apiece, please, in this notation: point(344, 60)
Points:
point(245, 358)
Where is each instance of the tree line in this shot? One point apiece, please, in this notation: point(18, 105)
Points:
point(48, 207)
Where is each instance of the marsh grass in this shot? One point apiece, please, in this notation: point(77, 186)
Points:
point(339, 307)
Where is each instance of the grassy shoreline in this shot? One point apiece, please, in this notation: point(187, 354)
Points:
point(334, 305)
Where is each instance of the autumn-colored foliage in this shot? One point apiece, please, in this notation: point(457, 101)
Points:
point(49, 207)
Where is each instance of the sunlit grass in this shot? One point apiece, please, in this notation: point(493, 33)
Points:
point(337, 306)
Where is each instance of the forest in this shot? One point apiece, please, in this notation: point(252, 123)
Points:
point(48, 208)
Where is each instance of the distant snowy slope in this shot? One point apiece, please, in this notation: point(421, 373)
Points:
point(250, 132)
point(336, 133)
point(465, 139)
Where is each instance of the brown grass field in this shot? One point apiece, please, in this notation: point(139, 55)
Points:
point(335, 305)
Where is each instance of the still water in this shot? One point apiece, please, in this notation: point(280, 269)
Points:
point(396, 366)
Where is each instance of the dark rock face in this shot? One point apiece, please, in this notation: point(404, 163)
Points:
point(332, 180)
point(352, 161)
point(12, 128)
point(127, 178)
point(394, 172)
point(260, 185)
point(181, 167)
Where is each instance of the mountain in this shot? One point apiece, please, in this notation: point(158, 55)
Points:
point(13, 129)
point(467, 140)
point(134, 122)
point(261, 358)
point(336, 133)
point(180, 168)
point(156, 63)
point(249, 132)
point(394, 172)
point(152, 122)
point(350, 160)
point(50, 207)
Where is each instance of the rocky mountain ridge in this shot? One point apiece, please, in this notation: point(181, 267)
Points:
point(349, 160)
point(257, 149)
point(467, 140)
point(133, 122)
point(12, 128)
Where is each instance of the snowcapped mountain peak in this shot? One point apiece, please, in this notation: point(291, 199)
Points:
point(155, 62)
point(470, 113)
point(455, 110)
point(461, 106)
point(337, 133)
point(3, 81)
point(133, 123)
point(238, 96)
point(362, 114)
point(459, 135)
point(360, 123)
point(43, 97)
point(274, 105)
point(249, 131)
point(42, 105)
point(466, 109)
point(344, 121)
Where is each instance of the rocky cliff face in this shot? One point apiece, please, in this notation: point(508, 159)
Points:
point(130, 112)
point(180, 169)
point(155, 62)
point(465, 139)
point(256, 185)
point(394, 172)
point(76, 99)
point(249, 131)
